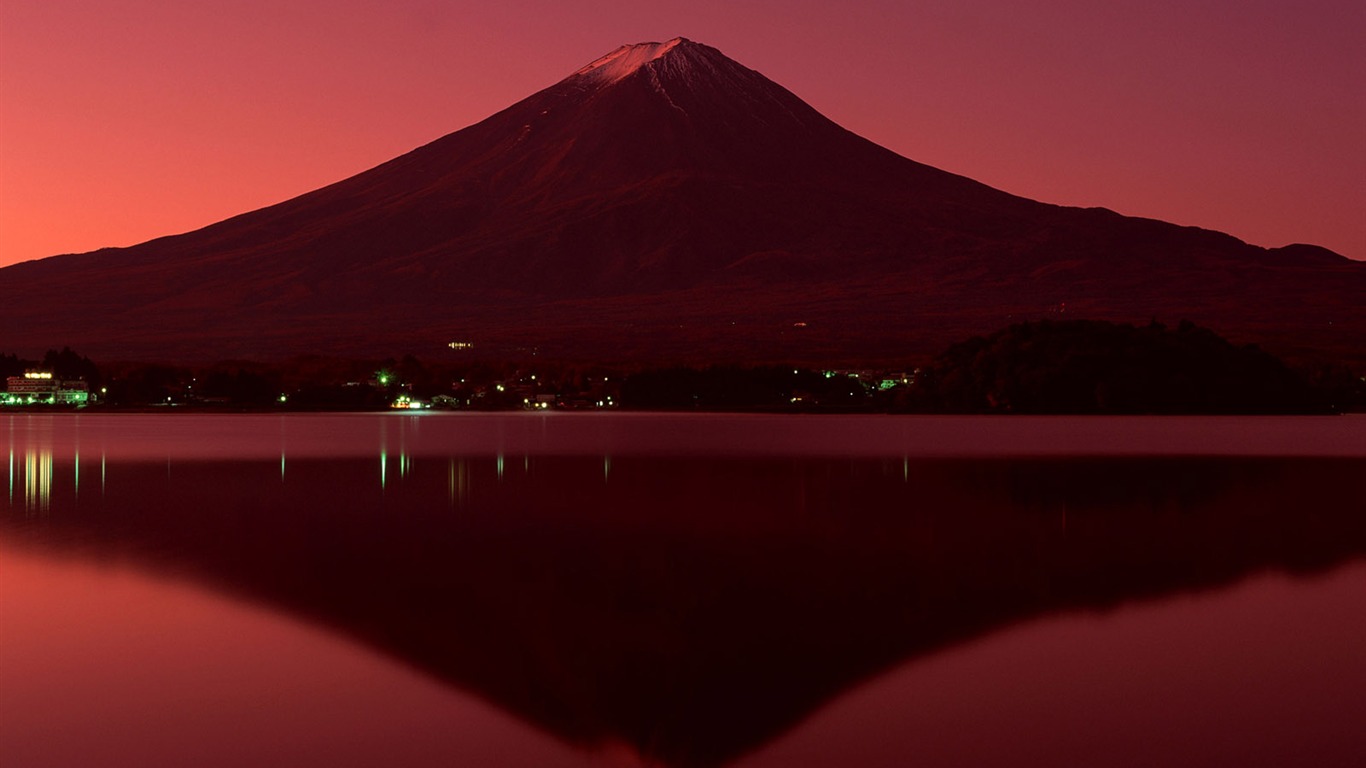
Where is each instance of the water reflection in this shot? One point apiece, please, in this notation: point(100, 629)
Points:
point(32, 472)
point(1267, 673)
point(128, 671)
point(689, 608)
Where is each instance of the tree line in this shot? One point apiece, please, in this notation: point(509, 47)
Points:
point(1048, 366)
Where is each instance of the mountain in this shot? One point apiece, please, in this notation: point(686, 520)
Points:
point(663, 202)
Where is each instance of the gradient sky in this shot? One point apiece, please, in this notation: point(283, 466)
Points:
point(124, 120)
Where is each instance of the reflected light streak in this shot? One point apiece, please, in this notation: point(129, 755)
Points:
point(459, 481)
point(38, 481)
point(282, 446)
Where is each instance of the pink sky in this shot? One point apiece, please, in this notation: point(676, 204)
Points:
point(125, 120)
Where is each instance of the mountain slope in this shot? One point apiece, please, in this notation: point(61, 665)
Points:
point(663, 185)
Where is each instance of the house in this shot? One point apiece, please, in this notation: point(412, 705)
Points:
point(42, 388)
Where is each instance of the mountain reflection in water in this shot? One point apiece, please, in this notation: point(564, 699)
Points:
point(692, 608)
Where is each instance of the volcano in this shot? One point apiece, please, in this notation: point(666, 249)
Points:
point(664, 203)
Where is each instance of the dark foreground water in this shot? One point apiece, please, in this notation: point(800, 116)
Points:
point(529, 590)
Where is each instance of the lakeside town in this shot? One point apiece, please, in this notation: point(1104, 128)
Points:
point(396, 387)
point(1042, 367)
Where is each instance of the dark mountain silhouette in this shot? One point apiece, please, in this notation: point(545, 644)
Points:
point(695, 609)
point(663, 202)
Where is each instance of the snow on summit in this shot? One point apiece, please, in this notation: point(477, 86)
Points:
point(627, 59)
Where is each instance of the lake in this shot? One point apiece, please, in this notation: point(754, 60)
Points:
point(625, 589)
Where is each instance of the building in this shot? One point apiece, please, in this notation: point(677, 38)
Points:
point(41, 388)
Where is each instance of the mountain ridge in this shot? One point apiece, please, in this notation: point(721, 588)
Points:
point(670, 183)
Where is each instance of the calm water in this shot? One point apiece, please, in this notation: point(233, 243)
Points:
point(562, 590)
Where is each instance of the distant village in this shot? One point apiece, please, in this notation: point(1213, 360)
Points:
point(1074, 366)
point(70, 381)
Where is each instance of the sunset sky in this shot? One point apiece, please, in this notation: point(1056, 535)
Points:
point(124, 120)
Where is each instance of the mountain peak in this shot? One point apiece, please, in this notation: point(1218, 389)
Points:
point(664, 203)
point(627, 59)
